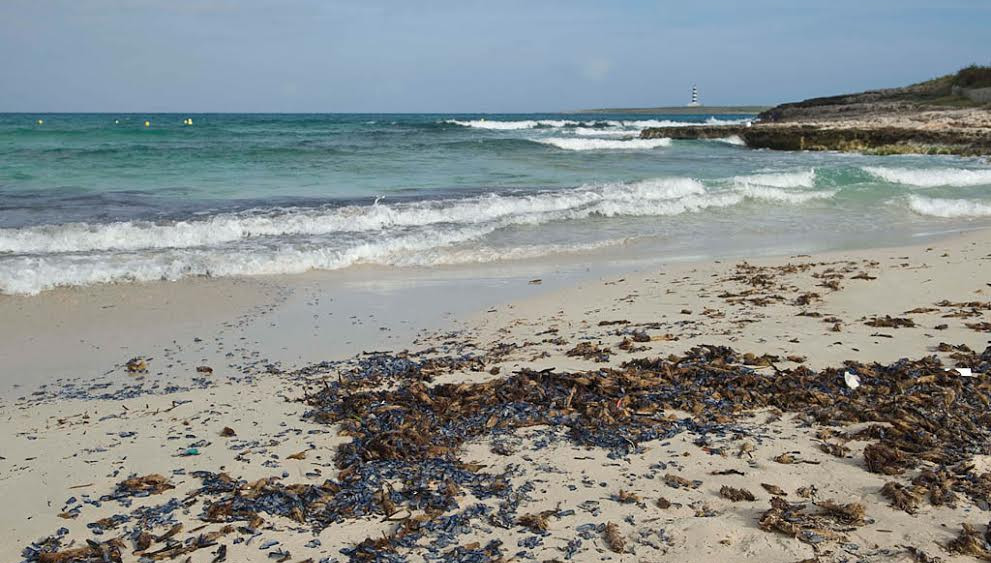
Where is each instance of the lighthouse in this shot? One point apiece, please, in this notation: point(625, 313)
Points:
point(695, 98)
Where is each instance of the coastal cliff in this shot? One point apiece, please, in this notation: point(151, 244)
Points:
point(947, 115)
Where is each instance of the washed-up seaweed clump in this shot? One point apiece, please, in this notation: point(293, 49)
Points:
point(136, 486)
point(971, 542)
point(828, 524)
point(888, 321)
point(403, 461)
point(384, 489)
point(95, 551)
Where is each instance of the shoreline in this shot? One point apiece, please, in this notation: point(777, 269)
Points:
point(97, 328)
point(859, 137)
point(71, 447)
point(940, 116)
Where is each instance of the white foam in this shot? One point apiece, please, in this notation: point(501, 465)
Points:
point(482, 254)
point(323, 221)
point(798, 179)
point(931, 177)
point(422, 245)
point(499, 125)
point(232, 227)
point(597, 132)
point(287, 241)
point(33, 274)
point(732, 140)
point(644, 123)
point(511, 125)
point(717, 121)
point(778, 194)
point(948, 208)
point(604, 144)
point(787, 187)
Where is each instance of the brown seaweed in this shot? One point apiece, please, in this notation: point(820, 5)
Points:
point(614, 539)
point(735, 494)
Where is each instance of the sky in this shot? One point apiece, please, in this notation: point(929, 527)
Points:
point(469, 55)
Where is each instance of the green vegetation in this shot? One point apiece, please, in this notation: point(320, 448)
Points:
point(973, 76)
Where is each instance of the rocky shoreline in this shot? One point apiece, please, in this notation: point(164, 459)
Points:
point(941, 116)
point(837, 137)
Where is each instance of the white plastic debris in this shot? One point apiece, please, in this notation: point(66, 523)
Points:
point(964, 372)
point(852, 380)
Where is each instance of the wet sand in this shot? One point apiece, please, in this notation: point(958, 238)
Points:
point(263, 340)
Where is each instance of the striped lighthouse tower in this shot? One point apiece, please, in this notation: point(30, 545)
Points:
point(695, 97)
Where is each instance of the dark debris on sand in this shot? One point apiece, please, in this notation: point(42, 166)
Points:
point(403, 461)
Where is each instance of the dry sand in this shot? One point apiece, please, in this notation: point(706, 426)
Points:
point(53, 448)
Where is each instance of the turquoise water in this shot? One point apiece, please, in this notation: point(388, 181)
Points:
point(102, 198)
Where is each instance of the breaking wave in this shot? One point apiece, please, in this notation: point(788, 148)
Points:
point(499, 125)
point(511, 125)
point(788, 187)
point(779, 194)
point(596, 132)
point(732, 140)
point(232, 227)
point(573, 144)
point(800, 179)
point(294, 240)
point(931, 177)
point(948, 208)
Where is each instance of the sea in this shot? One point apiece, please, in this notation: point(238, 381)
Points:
point(126, 198)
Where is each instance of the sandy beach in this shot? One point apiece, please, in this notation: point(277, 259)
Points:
point(356, 282)
point(229, 465)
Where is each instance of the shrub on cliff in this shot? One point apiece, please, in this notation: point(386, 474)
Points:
point(973, 76)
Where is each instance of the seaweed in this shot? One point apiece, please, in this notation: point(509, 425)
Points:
point(888, 321)
point(970, 542)
point(626, 497)
point(95, 552)
point(826, 525)
point(152, 484)
point(736, 495)
point(614, 539)
point(774, 489)
point(886, 460)
point(536, 522)
point(589, 351)
point(902, 497)
point(403, 461)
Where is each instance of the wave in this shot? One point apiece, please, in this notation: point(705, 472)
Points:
point(779, 194)
point(511, 125)
point(948, 208)
point(597, 132)
point(422, 245)
point(534, 207)
point(32, 275)
point(788, 187)
point(734, 140)
point(232, 227)
point(931, 177)
point(798, 179)
point(572, 144)
point(293, 240)
point(496, 124)
point(717, 121)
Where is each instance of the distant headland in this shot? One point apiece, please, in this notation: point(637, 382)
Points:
point(946, 115)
